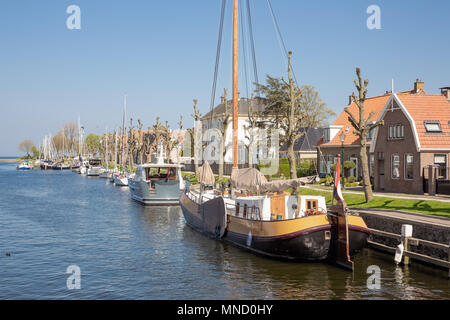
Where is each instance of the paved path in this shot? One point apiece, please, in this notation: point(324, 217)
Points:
point(387, 195)
point(407, 216)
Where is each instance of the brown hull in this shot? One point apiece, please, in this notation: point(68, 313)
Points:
point(305, 239)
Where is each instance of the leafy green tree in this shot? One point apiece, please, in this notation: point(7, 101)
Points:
point(92, 142)
point(292, 108)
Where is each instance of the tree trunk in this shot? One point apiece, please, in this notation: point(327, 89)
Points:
point(291, 159)
point(366, 174)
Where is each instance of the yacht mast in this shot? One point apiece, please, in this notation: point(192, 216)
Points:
point(123, 133)
point(235, 82)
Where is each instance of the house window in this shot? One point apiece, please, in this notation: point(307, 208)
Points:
point(395, 165)
point(441, 161)
point(433, 126)
point(326, 135)
point(371, 164)
point(370, 135)
point(409, 166)
point(396, 131)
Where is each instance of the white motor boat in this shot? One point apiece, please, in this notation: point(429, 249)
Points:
point(24, 166)
point(94, 168)
point(121, 180)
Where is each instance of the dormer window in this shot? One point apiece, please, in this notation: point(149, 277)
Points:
point(326, 135)
point(433, 126)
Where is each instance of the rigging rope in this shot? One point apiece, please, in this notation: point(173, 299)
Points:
point(216, 69)
point(244, 48)
point(252, 42)
point(280, 37)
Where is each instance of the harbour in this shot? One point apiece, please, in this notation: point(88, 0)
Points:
point(277, 191)
point(129, 251)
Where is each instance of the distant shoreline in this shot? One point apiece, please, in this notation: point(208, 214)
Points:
point(16, 160)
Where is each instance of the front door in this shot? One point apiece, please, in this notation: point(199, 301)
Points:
point(381, 174)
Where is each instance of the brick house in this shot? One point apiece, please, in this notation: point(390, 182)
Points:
point(330, 146)
point(416, 134)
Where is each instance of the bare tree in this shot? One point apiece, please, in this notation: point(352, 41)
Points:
point(26, 146)
point(196, 136)
point(223, 128)
point(362, 127)
point(251, 132)
point(70, 132)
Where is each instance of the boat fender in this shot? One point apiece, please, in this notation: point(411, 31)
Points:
point(399, 253)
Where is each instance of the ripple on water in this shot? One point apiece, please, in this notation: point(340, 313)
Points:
point(50, 220)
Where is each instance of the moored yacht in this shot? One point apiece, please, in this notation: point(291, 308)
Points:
point(157, 184)
point(260, 217)
point(94, 168)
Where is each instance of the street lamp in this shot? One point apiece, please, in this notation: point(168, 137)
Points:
point(342, 138)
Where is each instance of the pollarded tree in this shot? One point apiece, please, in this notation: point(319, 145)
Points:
point(362, 127)
point(196, 136)
point(293, 108)
point(225, 122)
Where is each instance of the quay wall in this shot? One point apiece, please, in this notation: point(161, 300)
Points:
point(434, 232)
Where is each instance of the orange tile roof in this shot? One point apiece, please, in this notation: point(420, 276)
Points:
point(429, 108)
point(374, 104)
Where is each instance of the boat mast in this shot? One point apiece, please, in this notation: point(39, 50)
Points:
point(123, 133)
point(235, 82)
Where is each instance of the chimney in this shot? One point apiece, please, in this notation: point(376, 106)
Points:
point(419, 85)
point(350, 99)
point(445, 91)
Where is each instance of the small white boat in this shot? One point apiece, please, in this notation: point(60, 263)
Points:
point(24, 166)
point(121, 180)
point(106, 174)
point(94, 168)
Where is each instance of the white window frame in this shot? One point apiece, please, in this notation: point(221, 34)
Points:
point(406, 164)
point(392, 166)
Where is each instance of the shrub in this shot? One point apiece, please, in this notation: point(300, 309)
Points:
point(350, 179)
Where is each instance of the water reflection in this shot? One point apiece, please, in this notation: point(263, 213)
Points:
point(127, 251)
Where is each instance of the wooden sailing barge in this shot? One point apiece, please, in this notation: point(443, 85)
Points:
point(256, 215)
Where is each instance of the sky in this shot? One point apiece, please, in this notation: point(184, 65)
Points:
point(162, 55)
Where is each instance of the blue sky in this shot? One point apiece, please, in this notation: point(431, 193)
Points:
point(162, 54)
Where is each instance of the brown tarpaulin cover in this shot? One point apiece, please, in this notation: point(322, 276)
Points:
point(252, 180)
point(206, 175)
point(247, 179)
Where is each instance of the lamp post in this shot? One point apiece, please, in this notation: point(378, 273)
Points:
point(342, 138)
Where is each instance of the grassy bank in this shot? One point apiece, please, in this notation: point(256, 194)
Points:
point(385, 203)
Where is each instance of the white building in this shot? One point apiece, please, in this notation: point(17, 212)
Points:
point(214, 120)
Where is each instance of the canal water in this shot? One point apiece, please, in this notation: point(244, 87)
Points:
point(50, 220)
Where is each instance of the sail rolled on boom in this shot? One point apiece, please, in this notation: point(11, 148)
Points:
point(254, 181)
point(206, 176)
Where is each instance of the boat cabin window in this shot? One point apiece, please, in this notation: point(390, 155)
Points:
point(312, 205)
point(161, 173)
